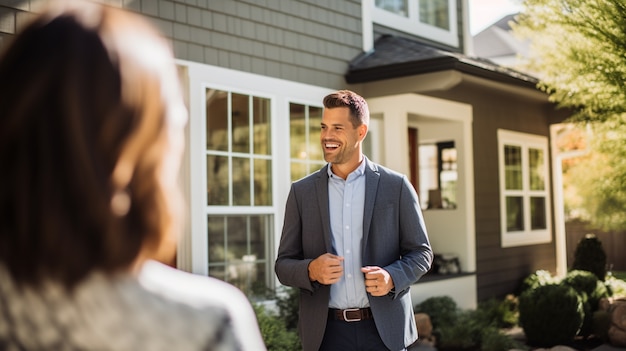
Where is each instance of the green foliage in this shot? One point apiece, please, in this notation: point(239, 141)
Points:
point(615, 287)
point(472, 329)
point(463, 333)
point(590, 290)
point(492, 339)
point(590, 256)
point(288, 301)
point(586, 73)
point(585, 283)
point(539, 278)
point(442, 310)
point(501, 313)
point(550, 314)
point(274, 332)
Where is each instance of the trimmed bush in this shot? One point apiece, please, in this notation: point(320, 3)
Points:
point(590, 256)
point(539, 278)
point(550, 314)
point(442, 310)
point(590, 290)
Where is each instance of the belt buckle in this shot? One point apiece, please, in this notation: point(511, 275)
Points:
point(345, 315)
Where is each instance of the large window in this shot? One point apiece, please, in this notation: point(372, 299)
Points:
point(524, 189)
point(432, 19)
point(239, 189)
point(304, 139)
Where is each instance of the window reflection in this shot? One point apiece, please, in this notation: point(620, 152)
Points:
point(238, 149)
point(304, 139)
point(438, 175)
point(435, 13)
point(238, 251)
point(399, 7)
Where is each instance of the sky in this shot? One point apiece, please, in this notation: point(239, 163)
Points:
point(486, 12)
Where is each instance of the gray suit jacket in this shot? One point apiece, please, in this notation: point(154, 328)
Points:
point(394, 238)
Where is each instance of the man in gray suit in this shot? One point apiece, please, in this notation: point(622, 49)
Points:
point(353, 242)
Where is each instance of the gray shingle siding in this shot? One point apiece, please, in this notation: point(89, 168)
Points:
point(304, 41)
point(297, 40)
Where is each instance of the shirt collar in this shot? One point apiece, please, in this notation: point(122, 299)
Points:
point(359, 171)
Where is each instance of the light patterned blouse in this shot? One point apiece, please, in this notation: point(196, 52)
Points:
point(161, 309)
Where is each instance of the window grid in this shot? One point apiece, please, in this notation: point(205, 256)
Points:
point(239, 210)
point(309, 159)
point(440, 26)
point(523, 189)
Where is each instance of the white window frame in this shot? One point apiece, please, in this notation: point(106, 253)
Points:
point(193, 256)
point(526, 236)
point(412, 24)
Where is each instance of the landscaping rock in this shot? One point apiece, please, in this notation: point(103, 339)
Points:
point(617, 330)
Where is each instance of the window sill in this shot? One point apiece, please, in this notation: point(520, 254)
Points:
point(431, 277)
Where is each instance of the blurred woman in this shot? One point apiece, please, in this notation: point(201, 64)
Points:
point(91, 138)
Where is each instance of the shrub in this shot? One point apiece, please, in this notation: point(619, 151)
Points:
point(501, 313)
point(590, 290)
point(462, 333)
point(550, 314)
point(615, 287)
point(287, 301)
point(590, 256)
point(442, 310)
point(492, 339)
point(274, 332)
point(539, 278)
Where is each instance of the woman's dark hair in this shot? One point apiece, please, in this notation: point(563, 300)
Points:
point(84, 118)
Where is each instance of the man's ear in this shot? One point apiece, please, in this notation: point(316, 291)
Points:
point(362, 131)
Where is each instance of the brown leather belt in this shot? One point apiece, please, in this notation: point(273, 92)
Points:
point(351, 314)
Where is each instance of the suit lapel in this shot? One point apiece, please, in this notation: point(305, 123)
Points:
point(372, 178)
point(321, 187)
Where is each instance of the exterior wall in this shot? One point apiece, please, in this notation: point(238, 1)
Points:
point(501, 270)
point(307, 41)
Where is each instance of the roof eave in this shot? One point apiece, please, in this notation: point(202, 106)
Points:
point(437, 65)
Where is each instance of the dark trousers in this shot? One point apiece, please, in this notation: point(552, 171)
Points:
point(352, 336)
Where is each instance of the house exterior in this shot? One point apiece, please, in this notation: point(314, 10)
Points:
point(473, 137)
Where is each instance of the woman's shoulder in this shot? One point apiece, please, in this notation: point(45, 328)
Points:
point(187, 288)
point(204, 296)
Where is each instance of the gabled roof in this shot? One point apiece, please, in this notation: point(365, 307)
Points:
point(395, 57)
point(498, 40)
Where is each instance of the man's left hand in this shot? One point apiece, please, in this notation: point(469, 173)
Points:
point(378, 282)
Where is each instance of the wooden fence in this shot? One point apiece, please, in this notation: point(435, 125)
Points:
point(613, 242)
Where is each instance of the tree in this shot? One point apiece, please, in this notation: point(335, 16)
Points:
point(579, 53)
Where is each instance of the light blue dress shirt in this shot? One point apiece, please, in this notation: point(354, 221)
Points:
point(346, 204)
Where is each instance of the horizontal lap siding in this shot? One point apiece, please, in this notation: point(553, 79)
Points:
point(309, 42)
point(499, 270)
point(303, 41)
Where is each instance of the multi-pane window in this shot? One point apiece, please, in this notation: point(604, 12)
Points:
point(304, 139)
point(523, 188)
point(239, 151)
point(435, 13)
point(239, 189)
point(431, 19)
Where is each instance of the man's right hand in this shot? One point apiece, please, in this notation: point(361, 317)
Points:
point(326, 269)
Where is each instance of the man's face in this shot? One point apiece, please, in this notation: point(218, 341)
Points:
point(341, 141)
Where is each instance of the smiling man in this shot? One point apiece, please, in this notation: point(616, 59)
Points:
point(353, 242)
